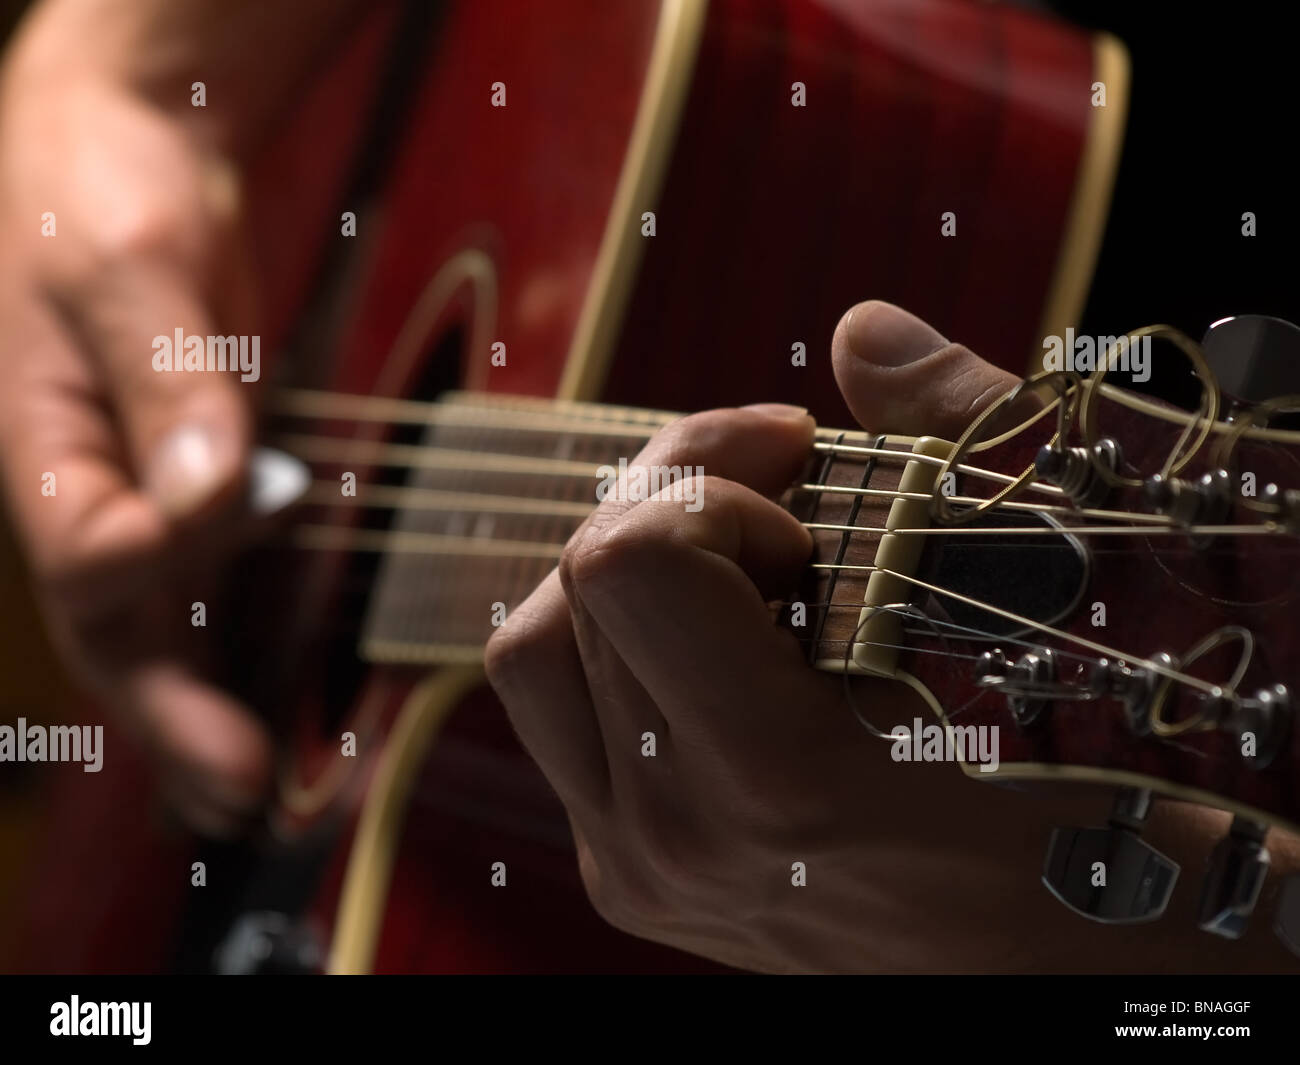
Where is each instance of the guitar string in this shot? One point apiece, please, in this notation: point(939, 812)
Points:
point(560, 413)
point(912, 612)
point(333, 449)
point(382, 541)
point(387, 497)
point(458, 409)
point(448, 455)
point(334, 537)
point(473, 413)
point(969, 632)
point(324, 493)
point(313, 536)
point(1038, 626)
point(397, 456)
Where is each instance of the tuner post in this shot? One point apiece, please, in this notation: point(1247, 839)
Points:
point(1205, 501)
point(1077, 471)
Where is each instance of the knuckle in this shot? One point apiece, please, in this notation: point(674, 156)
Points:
point(175, 232)
point(147, 232)
point(513, 650)
point(600, 557)
point(142, 233)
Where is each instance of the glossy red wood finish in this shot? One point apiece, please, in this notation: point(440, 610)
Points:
point(772, 221)
point(528, 184)
point(775, 219)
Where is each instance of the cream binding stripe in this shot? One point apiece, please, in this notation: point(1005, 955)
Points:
point(374, 848)
point(663, 97)
point(676, 44)
point(1090, 204)
point(1096, 775)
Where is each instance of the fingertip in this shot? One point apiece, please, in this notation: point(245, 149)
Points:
point(787, 418)
point(882, 334)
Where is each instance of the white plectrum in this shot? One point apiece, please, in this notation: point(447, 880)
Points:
point(275, 480)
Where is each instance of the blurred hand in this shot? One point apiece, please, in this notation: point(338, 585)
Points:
point(146, 239)
point(656, 621)
point(121, 213)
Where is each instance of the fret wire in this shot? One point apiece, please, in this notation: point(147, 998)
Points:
point(827, 466)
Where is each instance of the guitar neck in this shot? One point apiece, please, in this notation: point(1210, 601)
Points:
point(494, 486)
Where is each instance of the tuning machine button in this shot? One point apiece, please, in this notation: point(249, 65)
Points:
point(1235, 878)
point(1254, 357)
point(1109, 874)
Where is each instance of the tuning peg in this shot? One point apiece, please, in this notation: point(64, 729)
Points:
point(1109, 874)
point(1255, 357)
point(1286, 921)
point(1236, 875)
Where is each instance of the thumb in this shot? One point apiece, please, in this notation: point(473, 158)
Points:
point(188, 432)
point(899, 375)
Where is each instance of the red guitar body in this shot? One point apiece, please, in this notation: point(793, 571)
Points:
point(798, 156)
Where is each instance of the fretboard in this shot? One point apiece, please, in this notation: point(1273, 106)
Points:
point(472, 507)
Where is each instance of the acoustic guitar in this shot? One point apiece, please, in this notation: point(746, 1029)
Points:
point(663, 205)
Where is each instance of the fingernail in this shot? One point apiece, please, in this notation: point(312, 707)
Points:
point(779, 410)
point(886, 335)
point(185, 470)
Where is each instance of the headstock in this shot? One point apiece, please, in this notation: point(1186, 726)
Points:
point(1111, 584)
